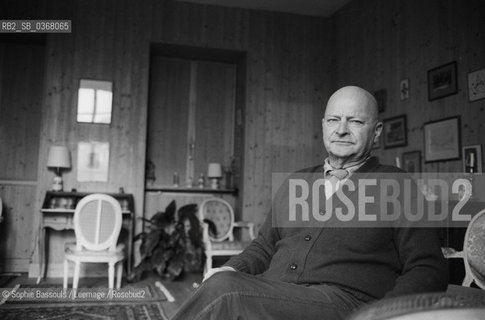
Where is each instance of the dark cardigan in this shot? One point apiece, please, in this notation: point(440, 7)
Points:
point(375, 262)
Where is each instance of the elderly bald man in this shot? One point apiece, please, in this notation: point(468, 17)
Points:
point(325, 273)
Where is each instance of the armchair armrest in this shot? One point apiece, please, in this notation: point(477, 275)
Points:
point(246, 224)
point(205, 235)
point(452, 253)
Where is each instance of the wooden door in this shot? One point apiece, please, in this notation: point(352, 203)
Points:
point(191, 117)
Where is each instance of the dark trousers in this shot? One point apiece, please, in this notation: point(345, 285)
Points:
point(235, 295)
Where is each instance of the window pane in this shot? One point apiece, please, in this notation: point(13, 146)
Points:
point(95, 100)
point(85, 105)
point(103, 106)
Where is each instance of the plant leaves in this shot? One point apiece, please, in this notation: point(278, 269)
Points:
point(150, 243)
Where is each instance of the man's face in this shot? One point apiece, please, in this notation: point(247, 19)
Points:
point(350, 126)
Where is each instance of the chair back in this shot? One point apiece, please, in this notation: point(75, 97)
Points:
point(97, 222)
point(474, 247)
point(221, 214)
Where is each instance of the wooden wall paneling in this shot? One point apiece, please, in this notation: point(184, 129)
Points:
point(416, 41)
point(255, 143)
point(21, 84)
point(90, 52)
point(22, 72)
point(15, 230)
point(191, 130)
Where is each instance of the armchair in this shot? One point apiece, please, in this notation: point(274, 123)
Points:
point(220, 242)
point(473, 253)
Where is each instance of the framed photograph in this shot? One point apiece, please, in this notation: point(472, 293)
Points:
point(92, 161)
point(442, 81)
point(442, 140)
point(381, 98)
point(395, 132)
point(411, 161)
point(476, 85)
point(404, 89)
point(472, 159)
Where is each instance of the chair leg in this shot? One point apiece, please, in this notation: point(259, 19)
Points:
point(111, 275)
point(75, 281)
point(208, 263)
point(468, 280)
point(119, 274)
point(66, 269)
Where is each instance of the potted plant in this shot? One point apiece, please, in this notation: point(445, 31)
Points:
point(172, 244)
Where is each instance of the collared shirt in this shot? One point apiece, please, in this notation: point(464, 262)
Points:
point(327, 167)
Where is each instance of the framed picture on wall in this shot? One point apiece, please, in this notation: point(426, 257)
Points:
point(472, 159)
point(476, 85)
point(442, 139)
point(395, 132)
point(92, 161)
point(442, 81)
point(411, 161)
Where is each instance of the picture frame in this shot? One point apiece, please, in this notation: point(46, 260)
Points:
point(411, 161)
point(92, 161)
point(404, 89)
point(442, 81)
point(395, 132)
point(442, 139)
point(472, 158)
point(476, 85)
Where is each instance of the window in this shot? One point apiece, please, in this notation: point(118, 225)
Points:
point(94, 101)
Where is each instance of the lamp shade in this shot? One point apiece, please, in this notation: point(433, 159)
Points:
point(58, 157)
point(214, 170)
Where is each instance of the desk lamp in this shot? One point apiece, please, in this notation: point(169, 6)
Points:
point(214, 173)
point(58, 158)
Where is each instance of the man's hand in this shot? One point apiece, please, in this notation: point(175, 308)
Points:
point(212, 272)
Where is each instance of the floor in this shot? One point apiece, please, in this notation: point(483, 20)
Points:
point(179, 289)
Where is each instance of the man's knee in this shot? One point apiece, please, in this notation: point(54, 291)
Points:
point(225, 282)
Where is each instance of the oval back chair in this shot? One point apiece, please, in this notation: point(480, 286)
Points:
point(219, 214)
point(97, 225)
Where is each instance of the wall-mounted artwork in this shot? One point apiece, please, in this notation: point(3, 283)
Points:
point(442, 140)
point(411, 161)
point(395, 132)
point(476, 85)
point(404, 89)
point(472, 159)
point(92, 161)
point(442, 81)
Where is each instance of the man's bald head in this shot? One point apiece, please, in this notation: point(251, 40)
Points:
point(350, 126)
point(357, 95)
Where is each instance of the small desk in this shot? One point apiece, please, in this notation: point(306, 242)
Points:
point(57, 213)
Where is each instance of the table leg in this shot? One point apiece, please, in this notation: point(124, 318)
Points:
point(130, 244)
point(41, 253)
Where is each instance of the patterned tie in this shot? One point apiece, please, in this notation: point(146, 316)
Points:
point(338, 173)
point(334, 176)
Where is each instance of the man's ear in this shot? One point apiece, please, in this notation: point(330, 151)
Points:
point(378, 131)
